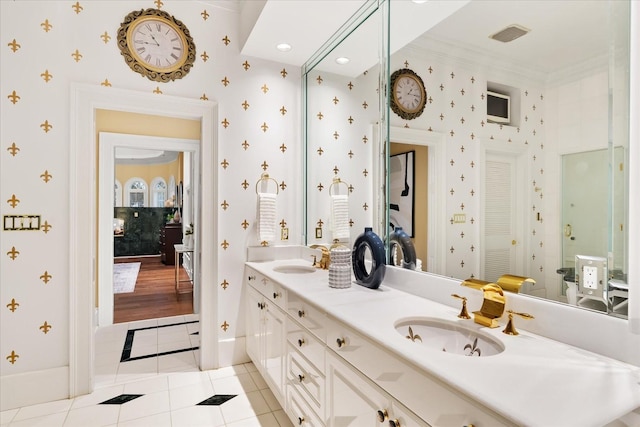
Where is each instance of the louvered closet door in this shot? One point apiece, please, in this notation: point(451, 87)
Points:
point(500, 241)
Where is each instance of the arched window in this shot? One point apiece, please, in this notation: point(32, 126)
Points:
point(136, 195)
point(158, 192)
point(117, 194)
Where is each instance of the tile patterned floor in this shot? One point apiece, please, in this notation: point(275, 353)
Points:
point(146, 375)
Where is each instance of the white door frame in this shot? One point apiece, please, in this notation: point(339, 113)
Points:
point(108, 142)
point(85, 100)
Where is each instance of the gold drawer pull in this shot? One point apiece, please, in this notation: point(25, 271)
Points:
point(300, 342)
point(276, 295)
point(261, 305)
point(300, 420)
point(300, 313)
point(382, 415)
point(394, 423)
point(341, 342)
point(252, 277)
point(300, 377)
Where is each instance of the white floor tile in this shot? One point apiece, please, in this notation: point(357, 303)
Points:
point(244, 406)
point(282, 418)
point(227, 371)
point(178, 380)
point(54, 420)
point(98, 396)
point(95, 415)
point(271, 400)
point(259, 380)
point(7, 416)
point(190, 395)
point(157, 420)
point(237, 384)
point(183, 361)
point(147, 405)
point(250, 367)
point(147, 386)
point(265, 420)
point(171, 320)
point(198, 416)
point(58, 406)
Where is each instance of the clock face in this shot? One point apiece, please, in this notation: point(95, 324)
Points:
point(157, 44)
point(408, 95)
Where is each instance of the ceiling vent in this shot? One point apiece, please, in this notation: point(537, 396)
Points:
point(510, 33)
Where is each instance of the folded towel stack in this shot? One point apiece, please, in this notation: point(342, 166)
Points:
point(267, 224)
point(340, 216)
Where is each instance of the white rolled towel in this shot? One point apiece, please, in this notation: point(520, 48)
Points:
point(267, 224)
point(340, 216)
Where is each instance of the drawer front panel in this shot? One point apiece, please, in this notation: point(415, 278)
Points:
point(307, 315)
point(307, 344)
point(299, 411)
point(307, 380)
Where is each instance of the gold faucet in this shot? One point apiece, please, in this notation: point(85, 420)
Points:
point(510, 329)
point(492, 306)
point(325, 260)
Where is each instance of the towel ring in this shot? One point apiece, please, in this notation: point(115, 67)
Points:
point(338, 181)
point(265, 177)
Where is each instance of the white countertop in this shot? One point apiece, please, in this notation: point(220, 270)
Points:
point(535, 381)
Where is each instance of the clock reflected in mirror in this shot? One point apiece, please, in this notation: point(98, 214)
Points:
point(408, 94)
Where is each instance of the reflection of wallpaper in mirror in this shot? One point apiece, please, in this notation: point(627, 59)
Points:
point(402, 191)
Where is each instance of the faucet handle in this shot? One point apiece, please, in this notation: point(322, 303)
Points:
point(315, 261)
point(510, 329)
point(463, 312)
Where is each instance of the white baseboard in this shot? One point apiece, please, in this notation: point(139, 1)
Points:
point(31, 388)
point(232, 352)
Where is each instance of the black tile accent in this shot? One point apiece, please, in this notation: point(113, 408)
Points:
point(217, 399)
point(119, 400)
point(128, 343)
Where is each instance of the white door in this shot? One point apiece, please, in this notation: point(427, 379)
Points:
point(502, 239)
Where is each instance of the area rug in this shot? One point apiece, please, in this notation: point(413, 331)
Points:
point(125, 276)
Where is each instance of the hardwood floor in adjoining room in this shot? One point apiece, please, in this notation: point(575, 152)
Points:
point(154, 295)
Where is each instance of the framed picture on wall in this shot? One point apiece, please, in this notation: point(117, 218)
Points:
point(402, 191)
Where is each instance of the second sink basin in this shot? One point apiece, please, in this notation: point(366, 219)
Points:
point(450, 337)
point(294, 269)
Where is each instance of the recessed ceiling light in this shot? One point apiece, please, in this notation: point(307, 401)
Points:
point(283, 47)
point(342, 60)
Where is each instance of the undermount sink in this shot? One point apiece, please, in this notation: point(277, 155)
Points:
point(294, 269)
point(450, 337)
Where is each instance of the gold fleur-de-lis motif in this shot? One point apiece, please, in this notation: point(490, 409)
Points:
point(225, 81)
point(77, 56)
point(350, 85)
point(336, 135)
point(283, 223)
point(462, 263)
point(283, 186)
point(157, 90)
point(13, 149)
point(319, 80)
point(283, 147)
point(350, 120)
point(320, 115)
point(226, 40)
point(105, 37)
point(13, 201)
point(245, 224)
point(45, 327)
point(264, 243)
point(46, 227)
point(336, 169)
point(350, 188)
point(283, 110)
point(413, 337)
point(46, 277)
point(320, 223)
point(14, 97)
point(77, 8)
point(350, 154)
point(46, 176)
point(158, 3)
point(264, 88)
point(14, 45)
point(225, 123)
point(205, 15)
point(365, 206)
point(224, 205)
point(246, 65)
point(335, 100)
point(224, 163)
point(46, 26)
point(365, 139)
point(205, 56)
point(13, 305)
point(264, 165)
point(283, 73)
point(264, 126)
point(245, 105)
point(224, 284)
point(204, 97)
point(106, 83)
point(46, 76)
point(13, 253)
point(244, 184)
point(224, 244)
point(13, 357)
point(320, 151)
point(351, 222)
point(365, 173)
point(320, 187)
point(46, 126)
point(245, 145)
point(365, 105)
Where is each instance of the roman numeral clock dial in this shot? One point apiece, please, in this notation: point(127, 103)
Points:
point(408, 95)
point(156, 45)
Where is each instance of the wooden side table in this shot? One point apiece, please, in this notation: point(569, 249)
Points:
point(181, 249)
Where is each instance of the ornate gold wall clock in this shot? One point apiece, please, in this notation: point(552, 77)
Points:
point(156, 45)
point(408, 95)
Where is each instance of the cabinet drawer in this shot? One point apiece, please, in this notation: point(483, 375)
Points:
point(306, 343)
point(307, 315)
point(300, 413)
point(271, 290)
point(307, 380)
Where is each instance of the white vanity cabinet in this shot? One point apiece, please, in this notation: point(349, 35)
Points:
point(266, 332)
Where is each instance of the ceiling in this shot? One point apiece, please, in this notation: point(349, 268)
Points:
point(562, 34)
